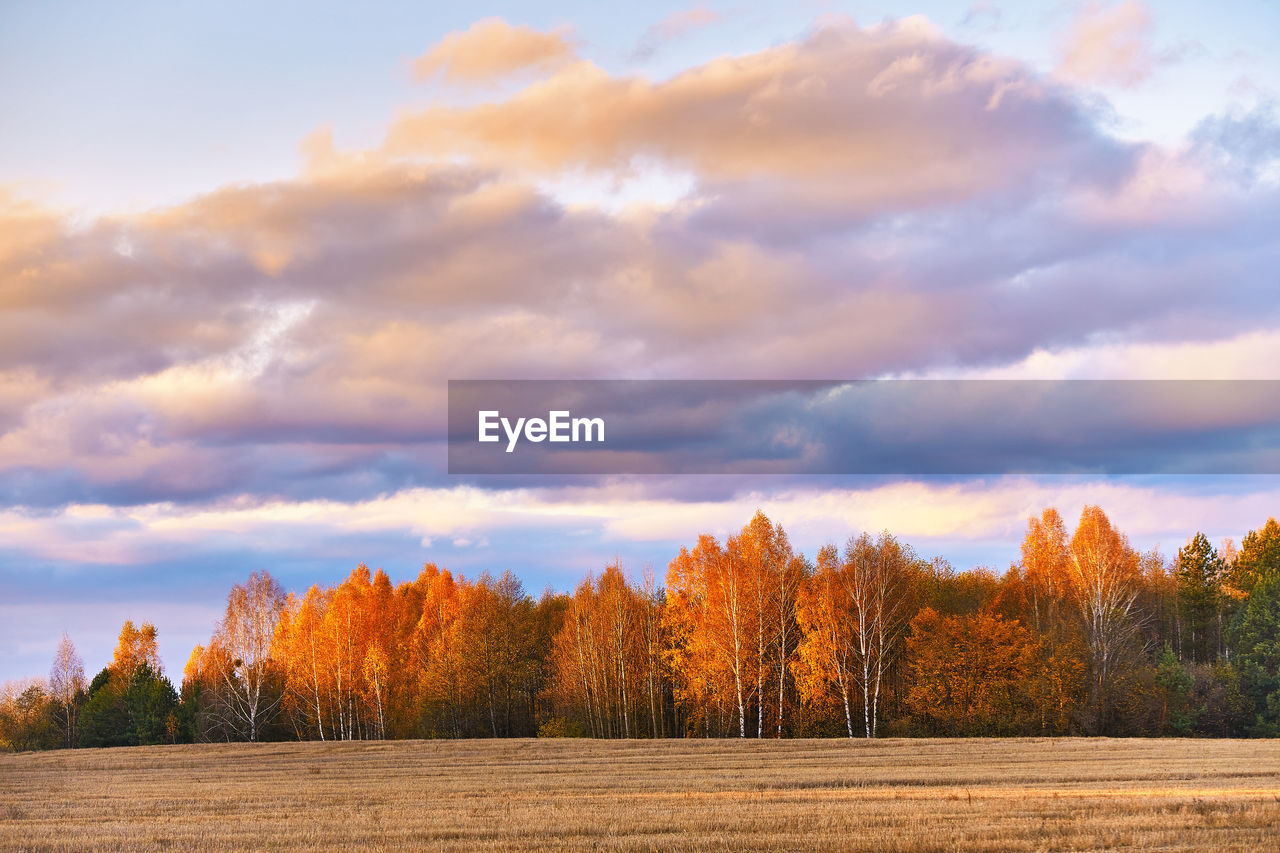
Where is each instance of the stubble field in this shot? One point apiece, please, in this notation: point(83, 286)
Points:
point(945, 795)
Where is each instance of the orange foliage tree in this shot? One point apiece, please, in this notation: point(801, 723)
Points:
point(606, 659)
point(971, 674)
point(854, 619)
point(731, 617)
point(1105, 582)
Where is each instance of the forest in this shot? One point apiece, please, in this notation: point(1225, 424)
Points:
point(746, 637)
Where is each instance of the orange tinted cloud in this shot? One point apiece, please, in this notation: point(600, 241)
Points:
point(492, 49)
point(1109, 45)
point(886, 113)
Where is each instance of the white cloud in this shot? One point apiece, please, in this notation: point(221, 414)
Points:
point(991, 511)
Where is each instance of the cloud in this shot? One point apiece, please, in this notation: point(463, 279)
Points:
point(605, 516)
point(984, 15)
point(1109, 45)
point(491, 50)
point(1252, 355)
point(860, 201)
point(889, 428)
point(888, 115)
point(670, 28)
point(1244, 143)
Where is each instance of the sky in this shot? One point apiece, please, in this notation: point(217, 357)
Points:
point(243, 247)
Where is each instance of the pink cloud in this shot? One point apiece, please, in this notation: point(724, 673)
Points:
point(1110, 45)
point(491, 49)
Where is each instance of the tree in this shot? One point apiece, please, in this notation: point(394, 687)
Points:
point(746, 637)
point(1174, 683)
point(878, 576)
point(437, 653)
point(1045, 559)
point(603, 656)
point(1200, 573)
point(500, 670)
point(971, 674)
point(774, 574)
point(134, 710)
point(1258, 559)
point(730, 620)
point(135, 647)
point(1255, 635)
point(708, 622)
point(1105, 585)
point(103, 719)
point(1217, 704)
point(853, 619)
point(824, 670)
point(150, 704)
point(66, 687)
point(26, 717)
point(248, 693)
point(297, 648)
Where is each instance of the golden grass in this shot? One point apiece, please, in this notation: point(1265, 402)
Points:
point(943, 795)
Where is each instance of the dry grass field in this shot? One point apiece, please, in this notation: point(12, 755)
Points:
point(945, 795)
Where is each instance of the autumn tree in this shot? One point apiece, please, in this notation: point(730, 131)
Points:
point(297, 648)
point(502, 670)
point(1046, 560)
point(66, 687)
point(1258, 558)
point(746, 638)
point(247, 694)
point(879, 577)
point(27, 716)
point(775, 574)
point(827, 652)
point(135, 647)
point(730, 617)
point(972, 674)
point(437, 653)
point(1105, 581)
point(708, 622)
point(695, 670)
point(590, 657)
point(854, 620)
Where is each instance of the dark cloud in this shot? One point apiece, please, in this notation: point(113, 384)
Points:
point(905, 427)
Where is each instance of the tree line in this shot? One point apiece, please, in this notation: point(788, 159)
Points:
point(745, 637)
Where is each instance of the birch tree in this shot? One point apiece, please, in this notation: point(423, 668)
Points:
point(66, 684)
point(1045, 558)
point(1105, 584)
point(245, 636)
point(855, 616)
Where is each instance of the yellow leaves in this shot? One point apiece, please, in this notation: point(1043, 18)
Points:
point(136, 646)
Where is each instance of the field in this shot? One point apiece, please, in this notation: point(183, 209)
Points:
point(1069, 794)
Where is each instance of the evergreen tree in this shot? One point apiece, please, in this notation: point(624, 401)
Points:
point(1255, 635)
point(1200, 573)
